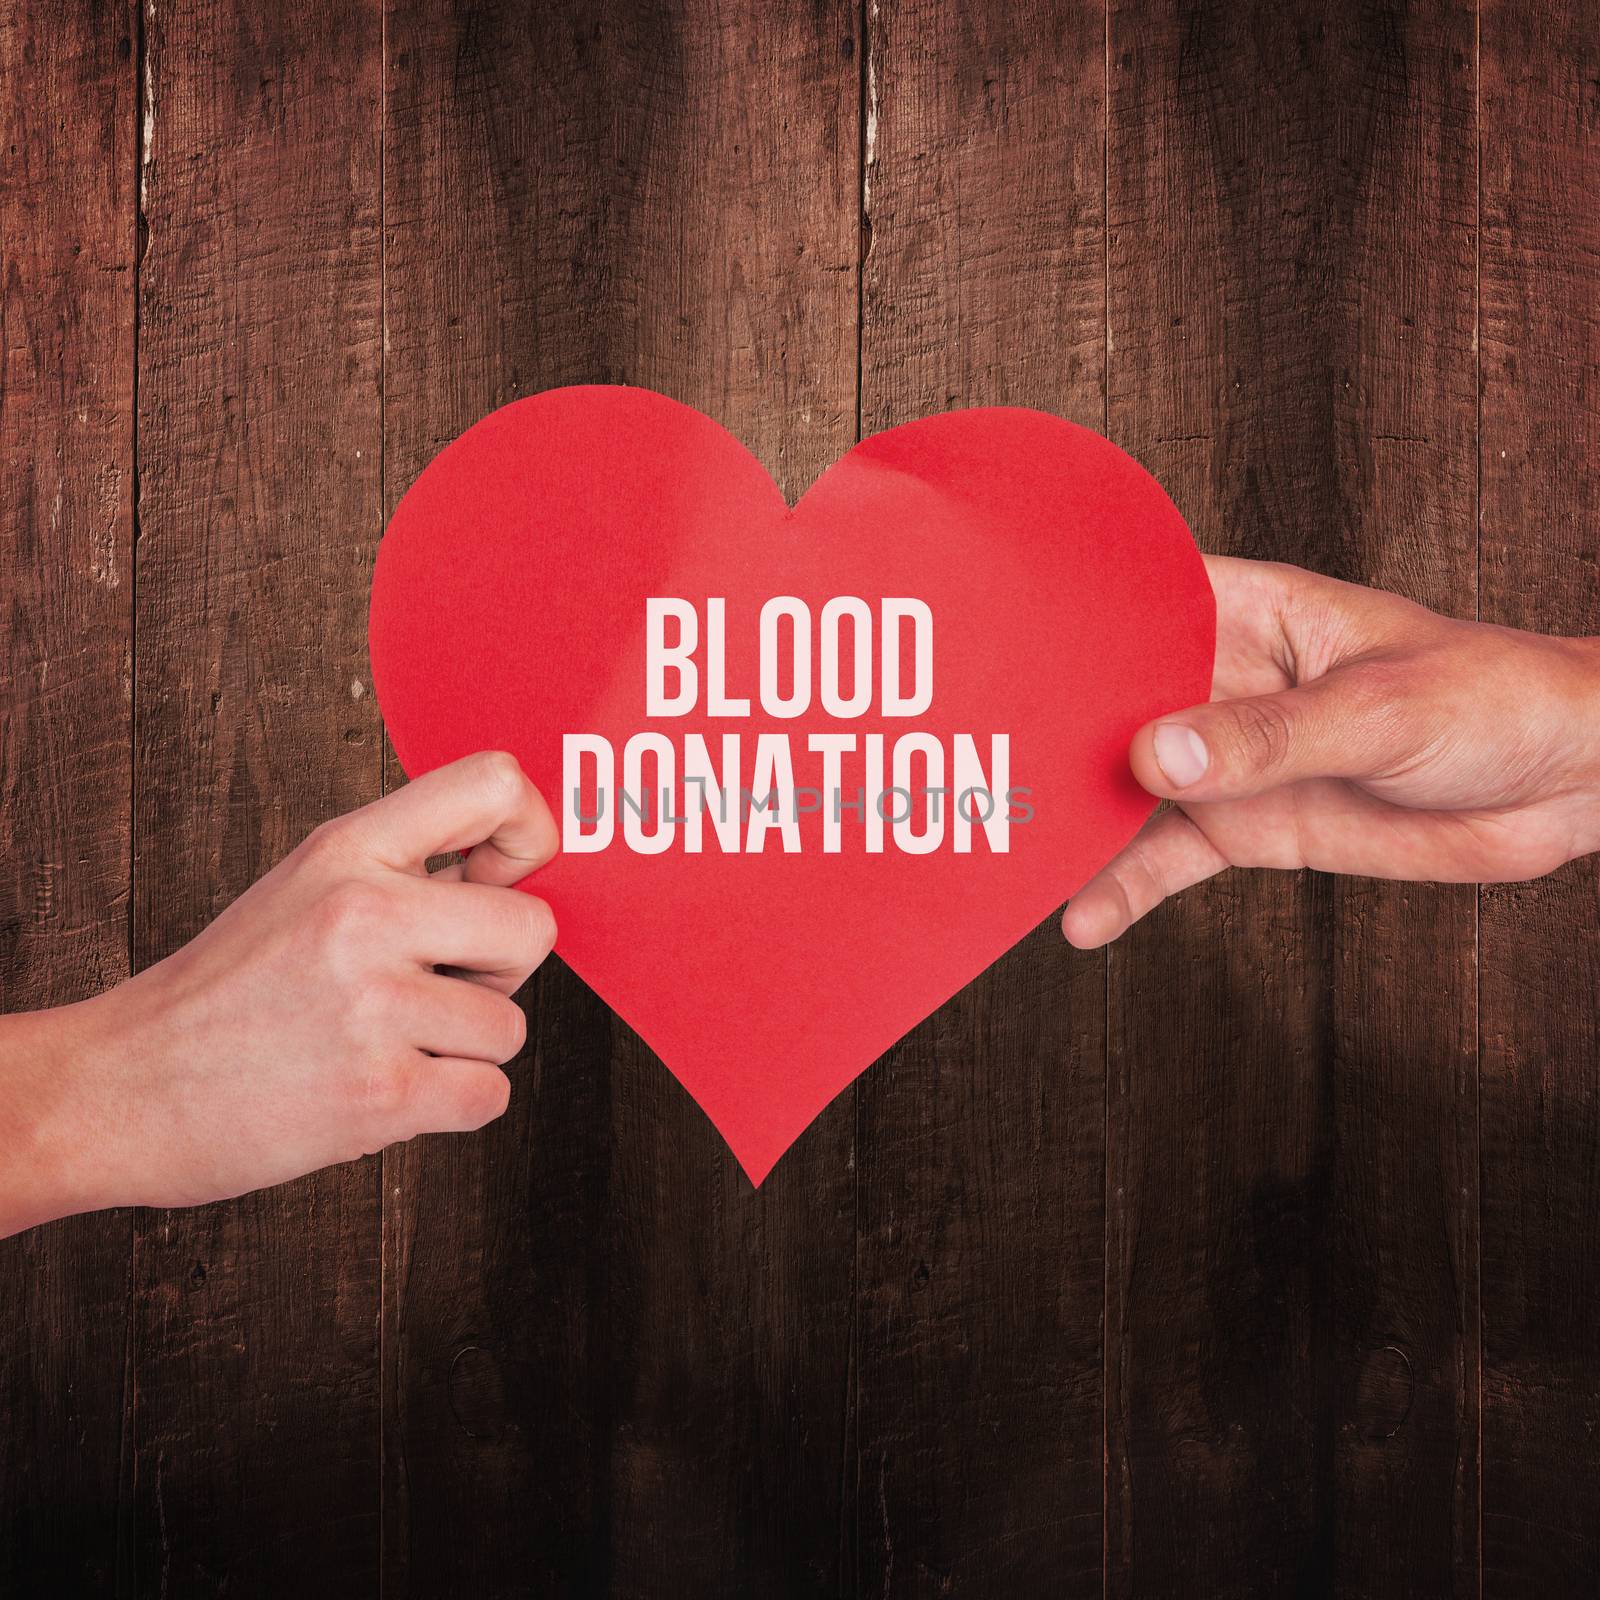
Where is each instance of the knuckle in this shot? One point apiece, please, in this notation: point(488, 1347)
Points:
point(1286, 573)
point(1380, 709)
point(501, 774)
point(514, 1030)
point(482, 1096)
point(539, 929)
point(383, 1006)
point(1375, 685)
point(327, 840)
point(1262, 731)
point(1382, 696)
point(387, 1089)
point(352, 911)
point(1141, 871)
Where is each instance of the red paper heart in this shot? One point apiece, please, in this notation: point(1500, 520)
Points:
point(1068, 606)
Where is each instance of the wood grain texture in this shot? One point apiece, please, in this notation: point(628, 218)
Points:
point(980, 1152)
point(496, 1437)
point(68, 137)
point(1156, 1275)
point(610, 1366)
point(256, 1340)
point(1292, 1355)
point(1541, 947)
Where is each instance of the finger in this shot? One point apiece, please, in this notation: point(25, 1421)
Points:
point(499, 933)
point(1252, 655)
point(483, 803)
point(1232, 749)
point(1244, 587)
point(468, 1020)
point(453, 1094)
point(1169, 854)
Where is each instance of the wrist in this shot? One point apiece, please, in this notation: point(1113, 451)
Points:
point(54, 1133)
point(1581, 732)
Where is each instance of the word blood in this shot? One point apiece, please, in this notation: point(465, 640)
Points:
point(910, 788)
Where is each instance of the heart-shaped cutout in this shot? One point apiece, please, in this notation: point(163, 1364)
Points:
point(987, 603)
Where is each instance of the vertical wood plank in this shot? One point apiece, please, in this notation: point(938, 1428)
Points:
point(68, 133)
point(609, 1366)
point(256, 1321)
point(981, 1145)
point(1292, 1359)
point(1540, 458)
point(495, 1420)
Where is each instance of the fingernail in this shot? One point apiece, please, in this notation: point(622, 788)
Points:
point(1181, 754)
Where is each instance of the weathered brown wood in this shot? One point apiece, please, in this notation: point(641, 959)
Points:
point(495, 1438)
point(606, 1366)
point(981, 1137)
point(68, 168)
point(256, 1426)
point(1540, 942)
point(610, 1367)
point(1291, 1300)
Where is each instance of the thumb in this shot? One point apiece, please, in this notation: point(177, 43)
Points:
point(1232, 749)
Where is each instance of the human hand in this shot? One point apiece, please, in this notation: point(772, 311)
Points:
point(1352, 731)
point(313, 1022)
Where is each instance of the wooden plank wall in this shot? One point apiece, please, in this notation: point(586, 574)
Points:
point(1292, 1362)
point(255, 1323)
point(68, 255)
point(1257, 1257)
point(1539, 955)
